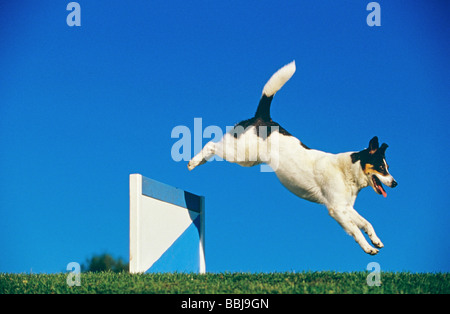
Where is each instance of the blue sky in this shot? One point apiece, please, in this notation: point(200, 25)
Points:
point(83, 107)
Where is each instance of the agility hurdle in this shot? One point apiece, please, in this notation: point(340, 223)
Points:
point(167, 228)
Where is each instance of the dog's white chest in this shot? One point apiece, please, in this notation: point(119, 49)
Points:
point(298, 169)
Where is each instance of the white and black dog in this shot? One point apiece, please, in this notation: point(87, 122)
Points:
point(330, 179)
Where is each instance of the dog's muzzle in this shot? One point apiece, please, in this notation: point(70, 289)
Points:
point(394, 184)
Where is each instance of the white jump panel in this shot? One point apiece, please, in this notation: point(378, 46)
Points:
point(167, 228)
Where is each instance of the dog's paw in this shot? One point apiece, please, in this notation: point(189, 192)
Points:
point(191, 165)
point(378, 243)
point(194, 163)
point(370, 250)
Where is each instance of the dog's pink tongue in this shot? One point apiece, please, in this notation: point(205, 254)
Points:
point(383, 192)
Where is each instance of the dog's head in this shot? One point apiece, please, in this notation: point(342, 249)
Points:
point(374, 166)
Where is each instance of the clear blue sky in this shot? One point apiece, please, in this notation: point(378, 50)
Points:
point(83, 107)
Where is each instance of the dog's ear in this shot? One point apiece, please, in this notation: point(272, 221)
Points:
point(373, 145)
point(383, 148)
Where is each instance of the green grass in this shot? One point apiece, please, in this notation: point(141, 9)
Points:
point(226, 283)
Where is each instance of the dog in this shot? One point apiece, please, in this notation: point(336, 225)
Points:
point(333, 180)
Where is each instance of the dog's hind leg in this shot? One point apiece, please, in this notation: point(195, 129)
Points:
point(243, 151)
point(206, 153)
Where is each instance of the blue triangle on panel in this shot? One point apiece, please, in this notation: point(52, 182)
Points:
point(183, 254)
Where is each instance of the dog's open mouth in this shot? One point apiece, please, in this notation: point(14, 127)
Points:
point(378, 186)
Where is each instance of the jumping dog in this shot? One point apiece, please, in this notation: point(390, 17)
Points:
point(333, 180)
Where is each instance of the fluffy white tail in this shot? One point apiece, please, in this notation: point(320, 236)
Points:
point(279, 79)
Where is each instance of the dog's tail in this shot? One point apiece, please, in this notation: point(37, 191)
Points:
point(272, 86)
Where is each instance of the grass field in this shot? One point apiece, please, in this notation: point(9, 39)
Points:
point(226, 283)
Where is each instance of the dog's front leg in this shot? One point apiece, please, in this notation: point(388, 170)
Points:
point(367, 227)
point(343, 215)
